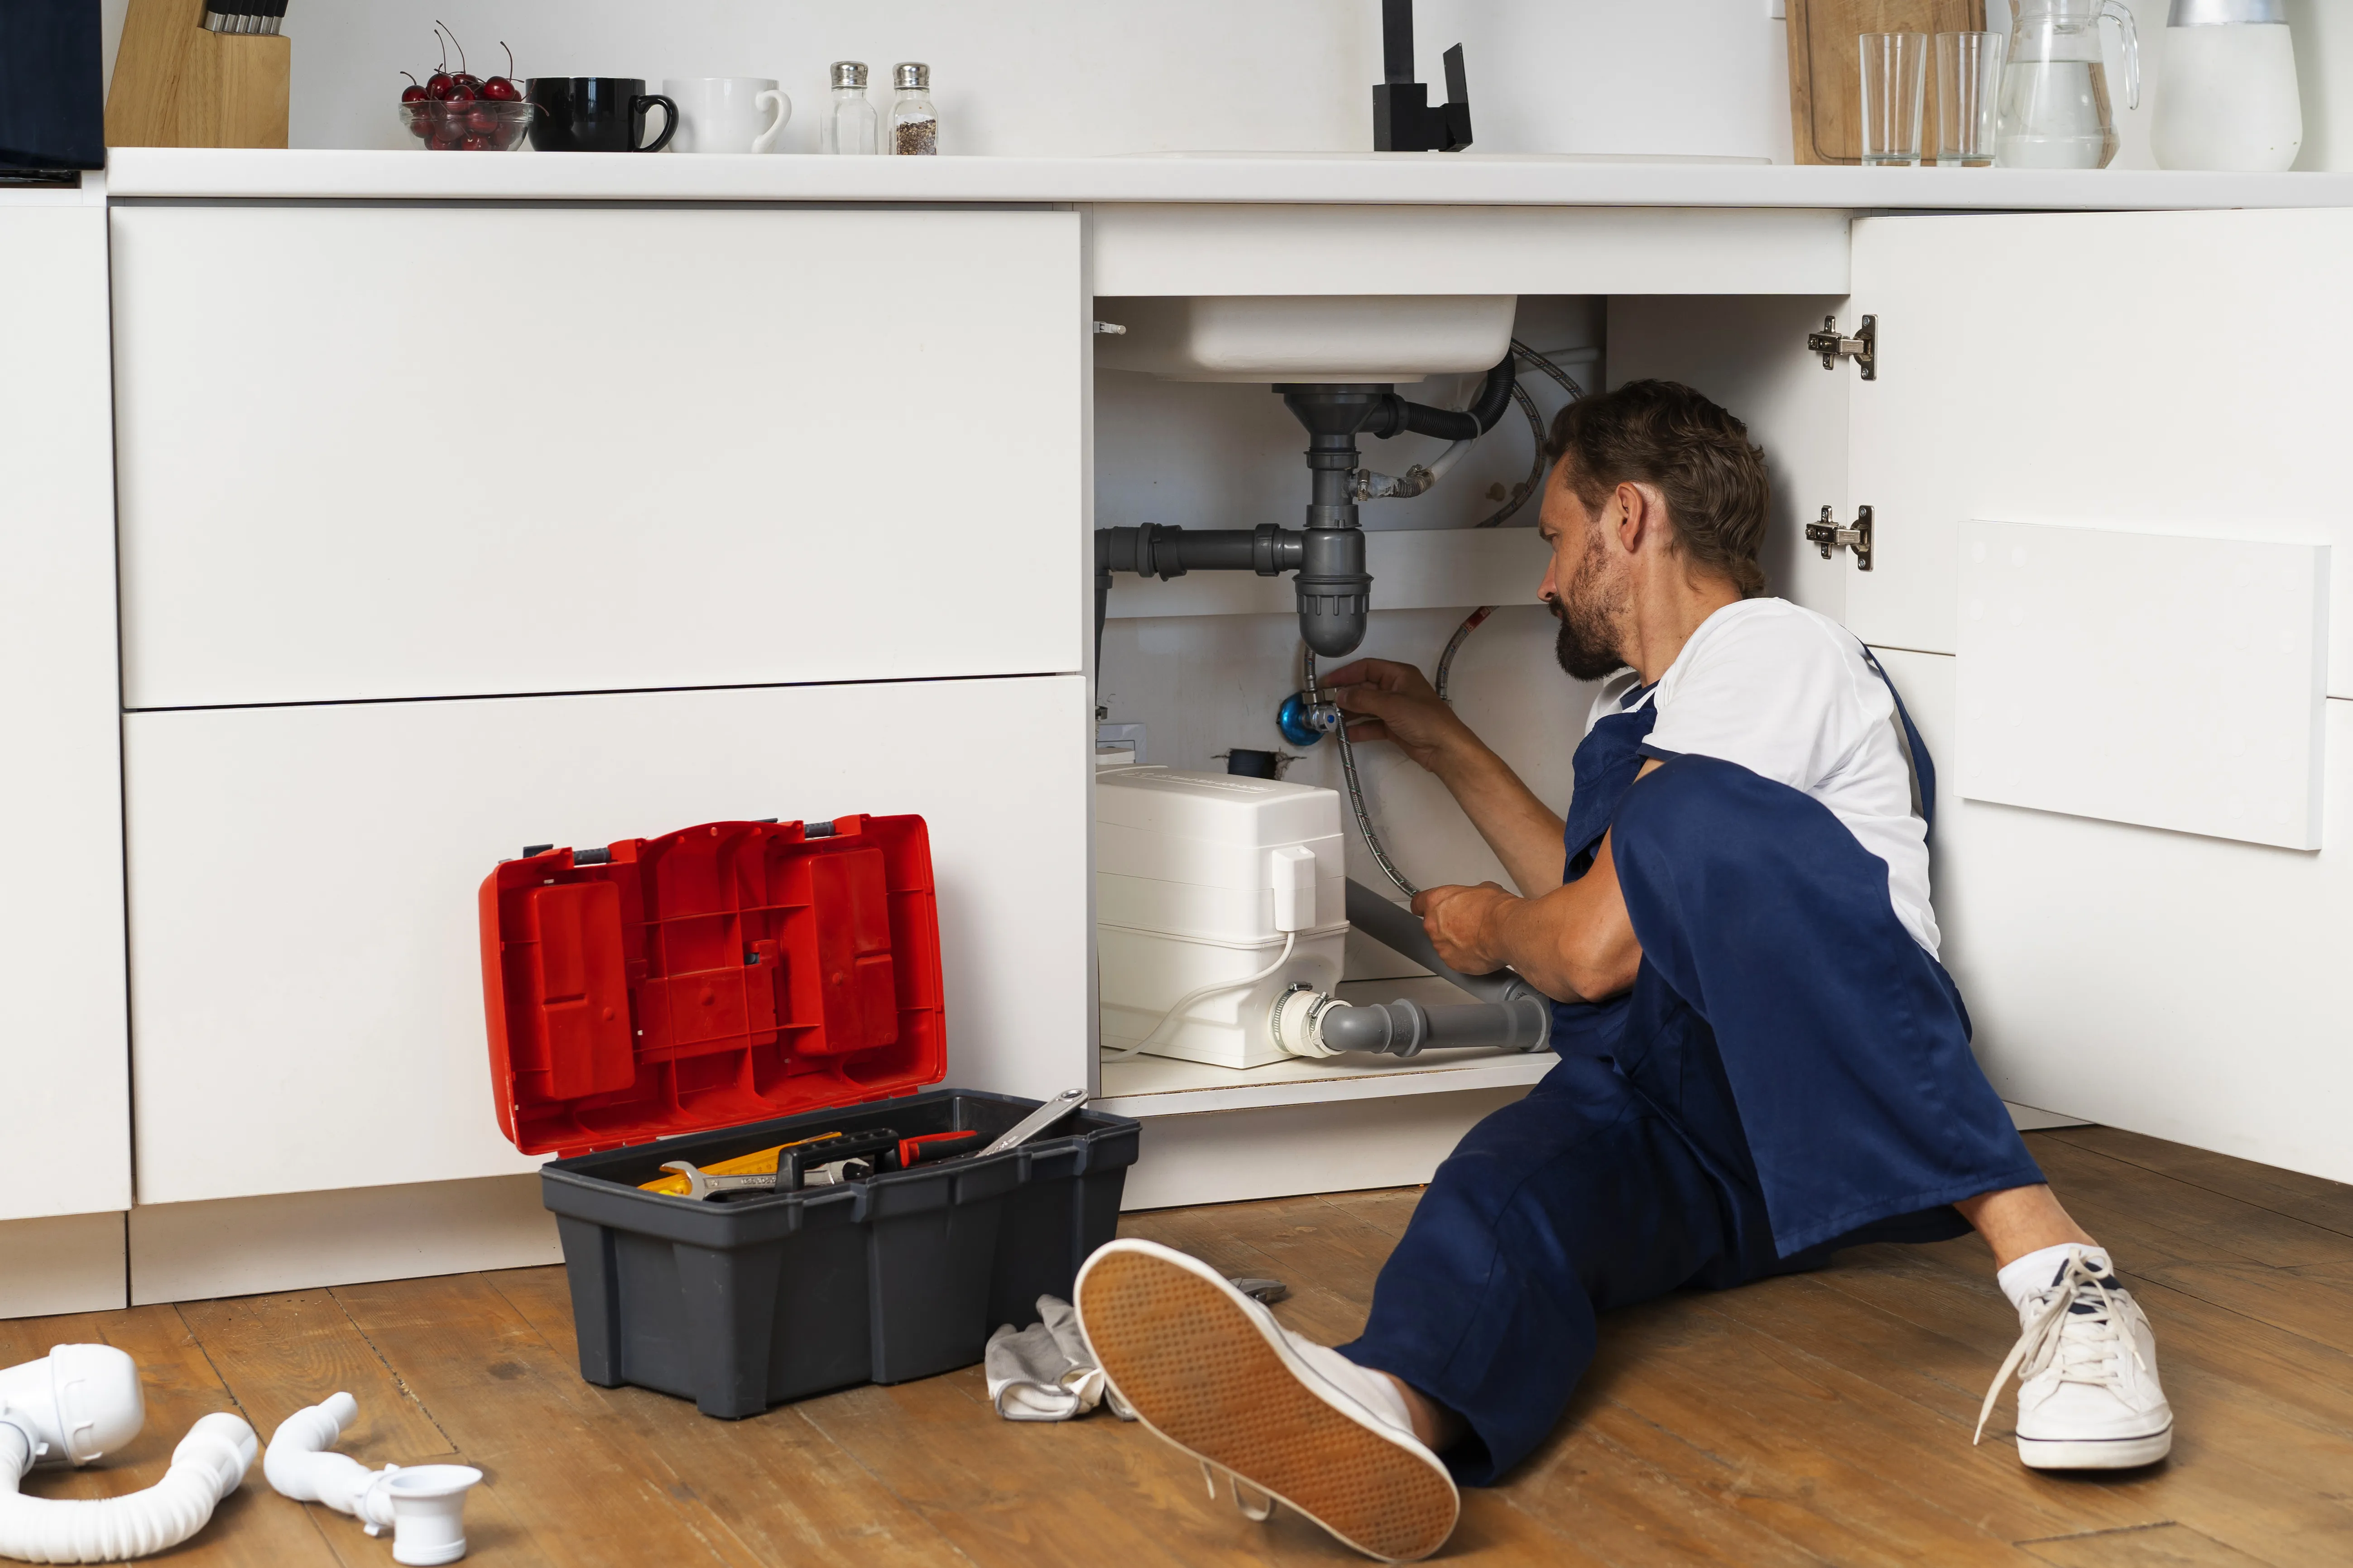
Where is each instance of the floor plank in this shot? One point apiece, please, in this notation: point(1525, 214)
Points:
point(2313, 1199)
point(2159, 1546)
point(1819, 1419)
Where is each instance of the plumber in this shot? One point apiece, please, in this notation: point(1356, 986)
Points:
point(1761, 1059)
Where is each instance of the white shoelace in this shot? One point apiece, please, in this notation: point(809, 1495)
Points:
point(2084, 1344)
point(1256, 1514)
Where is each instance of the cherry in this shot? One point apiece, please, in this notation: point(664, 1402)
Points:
point(458, 92)
point(482, 118)
point(437, 85)
point(501, 88)
point(475, 145)
point(415, 91)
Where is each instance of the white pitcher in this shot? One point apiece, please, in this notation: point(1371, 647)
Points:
point(2228, 100)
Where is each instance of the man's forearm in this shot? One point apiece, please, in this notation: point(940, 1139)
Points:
point(1524, 835)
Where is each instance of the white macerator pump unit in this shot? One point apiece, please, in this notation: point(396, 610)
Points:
point(1204, 878)
point(1222, 911)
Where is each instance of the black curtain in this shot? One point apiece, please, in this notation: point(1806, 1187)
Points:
point(52, 102)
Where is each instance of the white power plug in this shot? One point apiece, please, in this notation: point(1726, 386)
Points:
point(1294, 887)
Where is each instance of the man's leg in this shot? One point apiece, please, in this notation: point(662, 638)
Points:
point(1580, 1198)
point(2019, 1220)
point(1848, 1051)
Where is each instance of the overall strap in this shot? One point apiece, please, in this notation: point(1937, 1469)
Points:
point(1922, 767)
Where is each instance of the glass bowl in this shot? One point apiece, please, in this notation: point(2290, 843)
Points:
point(485, 125)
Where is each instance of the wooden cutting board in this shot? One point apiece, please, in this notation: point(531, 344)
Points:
point(1825, 71)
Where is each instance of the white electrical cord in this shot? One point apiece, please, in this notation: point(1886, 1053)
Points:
point(1121, 1053)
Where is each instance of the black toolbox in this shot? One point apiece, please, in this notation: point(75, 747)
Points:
point(721, 991)
point(771, 1297)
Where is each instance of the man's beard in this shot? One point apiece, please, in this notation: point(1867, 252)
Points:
point(1587, 645)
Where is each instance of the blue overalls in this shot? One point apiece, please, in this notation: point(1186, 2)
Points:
point(1791, 1074)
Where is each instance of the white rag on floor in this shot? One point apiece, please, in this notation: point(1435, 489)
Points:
point(1046, 1372)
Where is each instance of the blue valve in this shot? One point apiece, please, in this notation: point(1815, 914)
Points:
point(1303, 722)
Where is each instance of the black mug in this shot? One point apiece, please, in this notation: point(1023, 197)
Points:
point(595, 114)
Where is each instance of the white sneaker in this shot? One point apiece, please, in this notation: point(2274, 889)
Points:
point(2088, 1398)
point(1210, 1371)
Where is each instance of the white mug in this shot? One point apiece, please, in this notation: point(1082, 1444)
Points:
point(727, 113)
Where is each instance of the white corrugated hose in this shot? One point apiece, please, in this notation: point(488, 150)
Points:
point(76, 1405)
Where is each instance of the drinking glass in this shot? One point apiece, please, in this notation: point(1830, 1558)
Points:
point(1894, 91)
point(1968, 91)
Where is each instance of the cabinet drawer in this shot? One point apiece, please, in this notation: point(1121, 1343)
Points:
point(306, 994)
point(418, 451)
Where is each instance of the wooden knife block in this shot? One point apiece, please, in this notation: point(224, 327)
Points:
point(176, 85)
point(1826, 67)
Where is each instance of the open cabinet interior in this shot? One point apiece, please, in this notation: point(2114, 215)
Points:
point(2109, 614)
point(1203, 662)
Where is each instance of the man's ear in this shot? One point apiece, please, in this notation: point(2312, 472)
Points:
point(1634, 516)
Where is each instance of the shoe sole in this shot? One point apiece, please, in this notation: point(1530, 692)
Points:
point(2100, 1454)
point(1199, 1371)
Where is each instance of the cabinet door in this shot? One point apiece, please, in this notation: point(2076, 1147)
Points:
point(416, 451)
point(2179, 372)
point(308, 995)
point(2153, 374)
point(68, 1145)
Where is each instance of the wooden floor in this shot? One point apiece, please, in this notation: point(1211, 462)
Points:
point(1818, 1419)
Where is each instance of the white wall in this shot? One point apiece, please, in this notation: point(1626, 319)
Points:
point(1035, 77)
point(1707, 77)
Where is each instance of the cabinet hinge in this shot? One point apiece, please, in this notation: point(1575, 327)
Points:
point(1829, 535)
point(1863, 348)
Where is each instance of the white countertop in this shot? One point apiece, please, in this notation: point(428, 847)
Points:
point(1364, 178)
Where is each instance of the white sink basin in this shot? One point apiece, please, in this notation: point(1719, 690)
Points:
point(1320, 338)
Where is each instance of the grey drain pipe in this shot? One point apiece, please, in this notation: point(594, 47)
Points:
point(1511, 1015)
point(1334, 589)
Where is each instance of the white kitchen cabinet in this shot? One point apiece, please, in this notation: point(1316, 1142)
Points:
point(307, 997)
point(2174, 373)
point(751, 443)
point(490, 449)
point(68, 1145)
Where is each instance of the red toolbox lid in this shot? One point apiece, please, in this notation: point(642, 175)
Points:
point(722, 974)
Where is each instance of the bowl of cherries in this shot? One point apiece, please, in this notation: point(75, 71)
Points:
point(458, 111)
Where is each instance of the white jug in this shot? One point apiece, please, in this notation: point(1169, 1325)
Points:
point(2228, 100)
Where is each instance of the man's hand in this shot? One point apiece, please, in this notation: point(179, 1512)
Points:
point(1573, 943)
point(1391, 702)
point(1462, 924)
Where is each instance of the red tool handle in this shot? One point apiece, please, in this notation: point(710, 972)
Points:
point(935, 1146)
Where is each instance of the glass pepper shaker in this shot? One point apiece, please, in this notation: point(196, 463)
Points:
point(914, 123)
point(850, 123)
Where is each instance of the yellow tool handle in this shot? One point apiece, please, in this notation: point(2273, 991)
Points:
point(760, 1163)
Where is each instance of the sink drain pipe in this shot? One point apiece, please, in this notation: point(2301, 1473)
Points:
point(1511, 1015)
point(1328, 555)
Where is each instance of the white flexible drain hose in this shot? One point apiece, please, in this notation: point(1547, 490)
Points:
point(206, 1467)
point(423, 1505)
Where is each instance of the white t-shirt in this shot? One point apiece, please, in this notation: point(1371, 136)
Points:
point(1786, 693)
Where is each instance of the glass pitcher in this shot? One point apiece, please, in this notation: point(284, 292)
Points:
point(2055, 89)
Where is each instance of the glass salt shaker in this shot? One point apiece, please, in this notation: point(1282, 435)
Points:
point(850, 122)
point(914, 123)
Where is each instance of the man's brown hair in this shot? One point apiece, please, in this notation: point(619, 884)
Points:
point(1662, 433)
